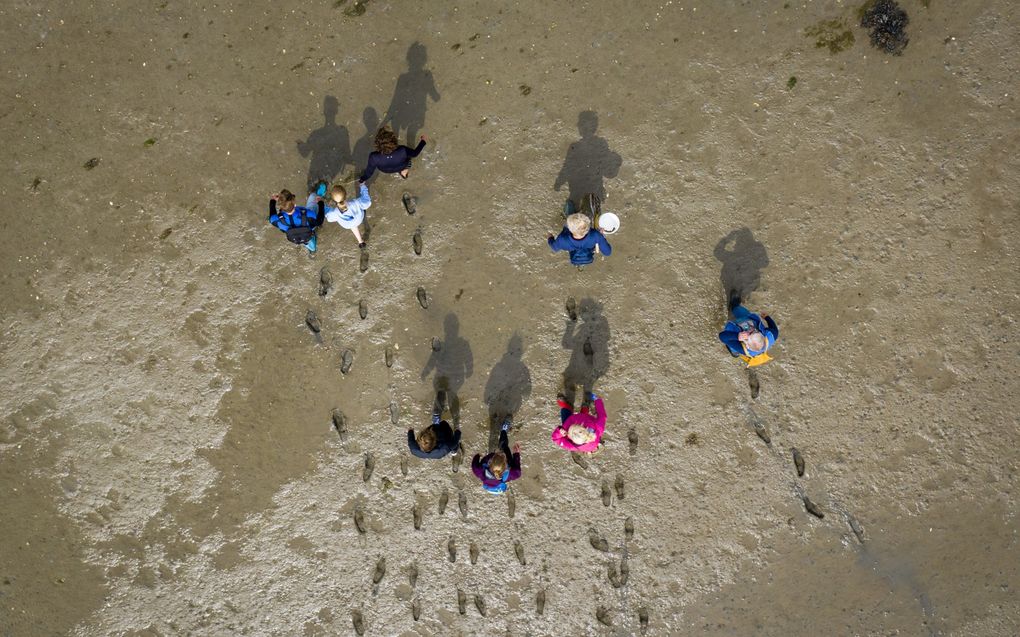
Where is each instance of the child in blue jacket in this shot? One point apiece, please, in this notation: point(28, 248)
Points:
point(299, 223)
point(749, 335)
point(580, 240)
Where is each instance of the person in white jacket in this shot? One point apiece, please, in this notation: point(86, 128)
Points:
point(349, 214)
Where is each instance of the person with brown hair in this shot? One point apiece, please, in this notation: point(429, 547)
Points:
point(390, 156)
point(299, 223)
point(437, 440)
point(498, 468)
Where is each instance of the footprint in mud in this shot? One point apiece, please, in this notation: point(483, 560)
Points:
point(607, 493)
point(603, 616)
point(410, 203)
point(812, 508)
point(423, 299)
point(760, 429)
point(403, 465)
point(613, 575)
point(363, 265)
point(462, 503)
point(92, 163)
point(346, 360)
point(359, 520)
point(473, 553)
point(511, 503)
point(451, 549)
point(480, 605)
point(312, 321)
point(362, 309)
point(325, 282)
point(339, 423)
point(628, 528)
point(359, 622)
point(632, 438)
point(643, 618)
point(355, 10)
point(436, 344)
point(444, 499)
point(389, 356)
point(416, 512)
point(598, 542)
point(588, 350)
point(458, 458)
point(380, 570)
point(412, 575)
point(619, 486)
point(579, 460)
point(753, 382)
point(519, 552)
point(798, 462)
point(540, 602)
point(624, 571)
point(366, 473)
point(571, 308)
point(461, 602)
point(416, 242)
point(856, 527)
point(394, 412)
point(416, 609)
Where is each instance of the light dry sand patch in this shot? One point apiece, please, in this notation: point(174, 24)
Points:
point(166, 447)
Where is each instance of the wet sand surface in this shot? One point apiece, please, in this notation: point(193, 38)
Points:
point(168, 461)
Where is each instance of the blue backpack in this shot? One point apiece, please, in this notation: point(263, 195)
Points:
point(503, 484)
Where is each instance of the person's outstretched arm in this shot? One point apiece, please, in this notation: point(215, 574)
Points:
point(275, 217)
point(369, 168)
point(603, 244)
point(414, 152)
point(320, 214)
point(515, 463)
point(476, 466)
point(560, 242)
point(730, 340)
point(771, 327)
point(363, 200)
point(600, 417)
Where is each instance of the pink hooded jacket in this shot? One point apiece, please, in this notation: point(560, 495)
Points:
point(596, 423)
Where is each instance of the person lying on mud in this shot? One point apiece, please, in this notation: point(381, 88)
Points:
point(497, 469)
point(580, 432)
point(390, 156)
point(749, 336)
point(580, 240)
point(349, 214)
point(438, 439)
point(299, 223)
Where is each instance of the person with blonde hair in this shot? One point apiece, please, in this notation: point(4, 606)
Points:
point(496, 470)
point(580, 432)
point(437, 440)
point(349, 214)
point(580, 240)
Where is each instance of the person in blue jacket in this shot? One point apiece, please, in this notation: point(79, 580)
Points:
point(299, 223)
point(580, 240)
point(748, 335)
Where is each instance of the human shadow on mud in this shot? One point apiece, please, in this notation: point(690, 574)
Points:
point(508, 386)
point(329, 146)
point(450, 365)
point(366, 144)
point(589, 161)
point(410, 96)
point(588, 342)
point(743, 259)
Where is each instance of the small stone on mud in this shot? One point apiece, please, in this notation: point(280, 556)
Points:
point(92, 163)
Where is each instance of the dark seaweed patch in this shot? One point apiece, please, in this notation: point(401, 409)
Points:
point(887, 24)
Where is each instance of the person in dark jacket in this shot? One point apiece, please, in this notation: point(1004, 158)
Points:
point(437, 440)
point(390, 156)
point(299, 223)
point(580, 240)
point(748, 335)
point(497, 469)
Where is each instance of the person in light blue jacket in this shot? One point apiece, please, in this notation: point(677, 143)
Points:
point(349, 214)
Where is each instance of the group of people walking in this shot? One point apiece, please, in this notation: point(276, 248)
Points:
point(747, 336)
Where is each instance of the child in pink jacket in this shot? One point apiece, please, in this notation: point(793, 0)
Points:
point(580, 432)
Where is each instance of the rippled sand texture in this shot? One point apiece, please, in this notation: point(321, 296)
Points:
point(168, 456)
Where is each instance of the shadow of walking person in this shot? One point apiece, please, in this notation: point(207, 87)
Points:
point(329, 146)
point(743, 259)
point(410, 96)
point(366, 144)
point(508, 386)
point(588, 342)
point(589, 161)
point(452, 363)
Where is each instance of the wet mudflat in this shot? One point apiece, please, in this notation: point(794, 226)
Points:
point(203, 430)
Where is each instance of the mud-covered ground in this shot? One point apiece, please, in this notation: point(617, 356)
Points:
point(167, 456)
